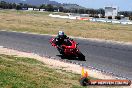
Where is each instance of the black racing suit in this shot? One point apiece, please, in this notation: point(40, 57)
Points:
point(60, 40)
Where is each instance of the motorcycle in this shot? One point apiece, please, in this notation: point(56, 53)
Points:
point(68, 48)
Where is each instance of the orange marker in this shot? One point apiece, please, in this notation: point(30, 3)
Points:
point(82, 72)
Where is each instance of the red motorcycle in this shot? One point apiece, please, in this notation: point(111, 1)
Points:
point(68, 48)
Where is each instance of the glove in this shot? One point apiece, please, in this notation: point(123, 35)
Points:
point(71, 39)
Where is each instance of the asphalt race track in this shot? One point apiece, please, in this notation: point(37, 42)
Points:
point(109, 57)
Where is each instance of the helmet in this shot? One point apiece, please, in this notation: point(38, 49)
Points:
point(61, 33)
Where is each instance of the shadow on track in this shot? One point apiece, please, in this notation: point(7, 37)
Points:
point(72, 57)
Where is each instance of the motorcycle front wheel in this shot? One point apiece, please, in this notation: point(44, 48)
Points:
point(80, 56)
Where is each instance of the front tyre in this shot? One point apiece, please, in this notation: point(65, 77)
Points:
point(80, 56)
point(61, 51)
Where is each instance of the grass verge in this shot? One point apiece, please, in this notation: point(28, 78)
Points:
point(19, 72)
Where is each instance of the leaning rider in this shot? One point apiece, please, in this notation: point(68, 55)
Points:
point(60, 38)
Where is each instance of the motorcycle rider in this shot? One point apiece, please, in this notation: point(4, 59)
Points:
point(60, 39)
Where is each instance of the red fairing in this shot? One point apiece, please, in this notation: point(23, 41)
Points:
point(68, 48)
point(52, 41)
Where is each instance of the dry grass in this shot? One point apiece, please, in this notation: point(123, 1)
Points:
point(39, 22)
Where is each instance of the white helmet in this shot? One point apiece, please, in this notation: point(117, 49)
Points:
point(61, 33)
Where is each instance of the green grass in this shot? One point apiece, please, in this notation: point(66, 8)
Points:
point(40, 22)
point(19, 72)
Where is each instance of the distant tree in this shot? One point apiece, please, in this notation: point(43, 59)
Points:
point(61, 9)
point(3, 4)
point(102, 17)
point(76, 11)
point(14, 5)
point(109, 17)
point(25, 6)
point(87, 11)
point(101, 11)
point(21, 4)
point(66, 10)
point(92, 12)
point(10, 6)
point(18, 7)
point(49, 7)
point(96, 16)
point(81, 11)
point(43, 6)
point(31, 6)
point(118, 17)
point(130, 18)
point(91, 15)
point(126, 13)
point(72, 10)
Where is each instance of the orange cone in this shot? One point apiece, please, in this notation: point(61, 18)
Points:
point(86, 74)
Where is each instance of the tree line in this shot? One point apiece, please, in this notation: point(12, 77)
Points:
point(49, 7)
point(6, 5)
